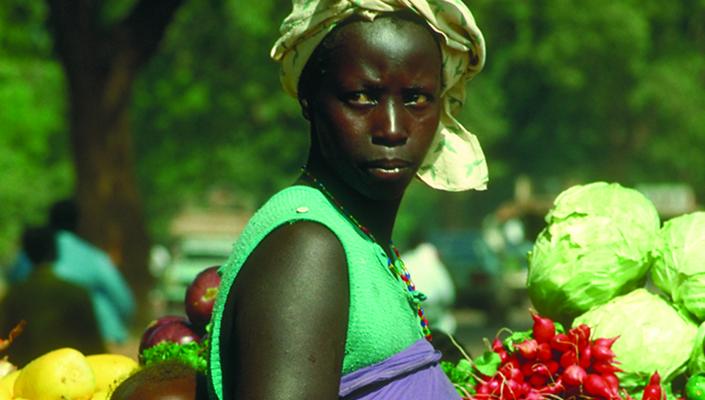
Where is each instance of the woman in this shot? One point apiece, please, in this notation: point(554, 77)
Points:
point(322, 307)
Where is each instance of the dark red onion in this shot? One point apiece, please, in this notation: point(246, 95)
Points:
point(155, 324)
point(176, 331)
point(200, 297)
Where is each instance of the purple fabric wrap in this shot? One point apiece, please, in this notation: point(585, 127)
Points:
point(413, 373)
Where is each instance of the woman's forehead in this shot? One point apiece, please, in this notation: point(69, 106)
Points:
point(391, 34)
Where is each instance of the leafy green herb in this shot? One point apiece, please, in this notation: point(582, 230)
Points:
point(516, 337)
point(488, 363)
point(460, 375)
point(192, 353)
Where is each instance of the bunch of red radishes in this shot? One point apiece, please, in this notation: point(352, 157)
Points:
point(549, 362)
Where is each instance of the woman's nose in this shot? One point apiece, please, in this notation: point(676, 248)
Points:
point(390, 129)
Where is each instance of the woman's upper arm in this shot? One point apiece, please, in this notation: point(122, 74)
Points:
point(289, 309)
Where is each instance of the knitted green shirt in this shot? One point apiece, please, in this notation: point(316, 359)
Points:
point(382, 317)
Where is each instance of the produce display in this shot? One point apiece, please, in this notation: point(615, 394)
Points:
point(631, 291)
point(618, 309)
point(652, 335)
point(597, 244)
point(67, 373)
point(546, 362)
point(679, 269)
point(184, 338)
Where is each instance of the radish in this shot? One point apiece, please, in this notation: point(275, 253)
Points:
point(533, 395)
point(554, 388)
point(538, 380)
point(596, 385)
point(653, 391)
point(525, 388)
point(516, 375)
point(497, 344)
point(562, 342)
point(508, 371)
point(483, 388)
point(510, 389)
point(655, 379)
point(493, 386)
point(513, 360)
point(607, 342)
point(528, 349)
point(603, 367)
point(527, 369)
point(612, 380)
point(602, 352)
point(581, 334)
point(568, 358)
point(585, 357)
point(574, 375)
point(541, 369)
point(552, 366)
point(543, 328)
point(503, 355)
point(544, 352)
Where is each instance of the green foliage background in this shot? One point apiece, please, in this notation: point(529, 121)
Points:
point(34, 162)
point(572, 91)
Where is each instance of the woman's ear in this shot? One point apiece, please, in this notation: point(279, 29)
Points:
point(304, 108)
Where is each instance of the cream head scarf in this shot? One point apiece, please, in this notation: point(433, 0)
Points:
point(455, 161)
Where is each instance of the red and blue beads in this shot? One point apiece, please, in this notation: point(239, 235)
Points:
point(404, 275)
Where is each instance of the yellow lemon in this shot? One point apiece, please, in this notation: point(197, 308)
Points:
point(57, 375)
point(110, 369)
point(101, 395)
point(7, 384)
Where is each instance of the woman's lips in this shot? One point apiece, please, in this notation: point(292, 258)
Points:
point(388, 169)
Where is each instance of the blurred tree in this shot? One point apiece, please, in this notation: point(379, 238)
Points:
point(102, 45)
point(572, 91)
point(209, 111)
point(599, 90)
point(35, 169)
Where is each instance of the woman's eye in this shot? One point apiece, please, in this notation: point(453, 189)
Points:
point(359, 98)
point(417, 99)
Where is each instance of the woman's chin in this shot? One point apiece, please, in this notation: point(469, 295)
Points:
point(386, 189)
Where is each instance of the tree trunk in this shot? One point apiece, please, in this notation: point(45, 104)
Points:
point(106, 187)
point(101, 63)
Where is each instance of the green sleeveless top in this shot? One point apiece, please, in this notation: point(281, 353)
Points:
point(382, 318)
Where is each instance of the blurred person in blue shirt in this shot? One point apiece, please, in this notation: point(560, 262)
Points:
point(58, 313)
point(90, 267)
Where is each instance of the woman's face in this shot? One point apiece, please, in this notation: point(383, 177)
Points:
point(377, 106)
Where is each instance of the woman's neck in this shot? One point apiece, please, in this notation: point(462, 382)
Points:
point(377, 216)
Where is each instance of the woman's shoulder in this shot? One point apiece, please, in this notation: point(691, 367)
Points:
point(294, 202)
point(298, 244)
point(300, 214)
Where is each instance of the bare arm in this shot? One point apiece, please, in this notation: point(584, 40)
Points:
point(286, 318)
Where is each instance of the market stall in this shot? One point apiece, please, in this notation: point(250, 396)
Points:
point(618, 305)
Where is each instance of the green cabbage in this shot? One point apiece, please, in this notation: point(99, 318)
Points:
point(597, 245)
point(696, 365)
point(653, 336)
point(679, 268)
point(691, 293)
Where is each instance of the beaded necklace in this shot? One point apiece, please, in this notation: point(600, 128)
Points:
point(396, 266)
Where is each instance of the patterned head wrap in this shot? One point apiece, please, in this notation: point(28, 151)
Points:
point(455, 161)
